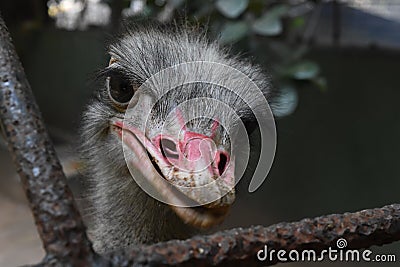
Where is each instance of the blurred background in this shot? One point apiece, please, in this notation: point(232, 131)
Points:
point(335, 64)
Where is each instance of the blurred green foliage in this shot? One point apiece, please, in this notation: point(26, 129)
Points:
point(268, 30)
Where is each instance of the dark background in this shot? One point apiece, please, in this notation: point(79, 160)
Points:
point(337, 152)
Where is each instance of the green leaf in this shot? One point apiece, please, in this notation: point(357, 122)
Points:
point(286, 101)
point(176, 3)
point(233, 32)
point(304, 70)
point(231, 8)
point(270, 23)
point(297, 23)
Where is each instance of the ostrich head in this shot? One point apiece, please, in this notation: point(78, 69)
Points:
point(143, 135)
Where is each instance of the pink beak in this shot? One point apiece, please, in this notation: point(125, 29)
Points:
point(192, 164)
point(193, 153)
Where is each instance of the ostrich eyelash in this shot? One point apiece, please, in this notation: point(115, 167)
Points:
point(112, 72)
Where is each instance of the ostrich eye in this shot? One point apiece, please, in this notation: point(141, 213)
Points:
point(120, 89)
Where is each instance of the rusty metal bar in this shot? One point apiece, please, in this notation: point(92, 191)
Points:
point(239, 247)
point(57, 218)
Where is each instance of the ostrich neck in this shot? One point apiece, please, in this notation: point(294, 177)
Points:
point(125, 216)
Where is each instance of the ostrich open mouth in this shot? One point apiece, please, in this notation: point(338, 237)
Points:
point(198, 185)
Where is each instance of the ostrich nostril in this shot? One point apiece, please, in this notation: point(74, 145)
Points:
point(222, 162)
point(168, 149)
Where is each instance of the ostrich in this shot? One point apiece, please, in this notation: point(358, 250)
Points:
point(120, 212)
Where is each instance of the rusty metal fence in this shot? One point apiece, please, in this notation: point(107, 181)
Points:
point(63, 233)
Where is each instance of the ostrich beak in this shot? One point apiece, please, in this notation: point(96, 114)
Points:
point(191, 173)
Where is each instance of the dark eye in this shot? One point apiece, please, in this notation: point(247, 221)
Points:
point(120, 90)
